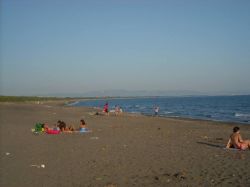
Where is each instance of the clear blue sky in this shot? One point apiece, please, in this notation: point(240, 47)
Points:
point(76, 46)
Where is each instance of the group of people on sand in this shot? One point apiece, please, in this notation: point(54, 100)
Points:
point(118, 110)
point(62, 127)
point(236, 141)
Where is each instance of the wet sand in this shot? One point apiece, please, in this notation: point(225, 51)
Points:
point(122, 150)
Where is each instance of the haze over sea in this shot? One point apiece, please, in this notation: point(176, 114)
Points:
point(216, 108)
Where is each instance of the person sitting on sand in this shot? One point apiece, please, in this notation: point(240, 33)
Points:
point(83, 127)
point(61, 125)
point(236, 141)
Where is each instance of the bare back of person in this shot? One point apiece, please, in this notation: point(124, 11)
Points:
point(236, 140)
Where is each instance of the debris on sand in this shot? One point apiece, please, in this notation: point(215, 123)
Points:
point(7, 154)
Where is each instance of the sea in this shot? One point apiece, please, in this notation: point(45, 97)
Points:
point(215, 108)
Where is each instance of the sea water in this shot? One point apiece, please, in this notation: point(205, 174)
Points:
point(216, 108)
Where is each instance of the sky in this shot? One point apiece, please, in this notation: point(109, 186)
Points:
point(78, 46)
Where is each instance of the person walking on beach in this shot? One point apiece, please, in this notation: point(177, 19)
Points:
point(236, 140)
point(156, 109)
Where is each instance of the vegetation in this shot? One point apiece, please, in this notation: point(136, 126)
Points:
point(37, 98)
point(27, 98)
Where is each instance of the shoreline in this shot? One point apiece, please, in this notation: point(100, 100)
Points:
point(171, 117)
point(69, 103)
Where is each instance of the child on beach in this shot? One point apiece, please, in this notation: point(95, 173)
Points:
point(236, 141)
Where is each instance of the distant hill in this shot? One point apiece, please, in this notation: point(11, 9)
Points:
point(142, 93)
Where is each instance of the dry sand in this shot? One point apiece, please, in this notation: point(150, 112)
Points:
point(121, 151)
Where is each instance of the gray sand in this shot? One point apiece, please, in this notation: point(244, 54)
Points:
point(121, 151)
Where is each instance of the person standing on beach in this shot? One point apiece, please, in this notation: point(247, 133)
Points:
point(236, 140)
point(117, 110)
point(120, 111)
point(106, 108)
point(156, 109)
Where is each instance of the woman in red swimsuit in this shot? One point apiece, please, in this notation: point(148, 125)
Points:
point(106, 108)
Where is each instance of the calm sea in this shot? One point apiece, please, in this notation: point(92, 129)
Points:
point(217, 108)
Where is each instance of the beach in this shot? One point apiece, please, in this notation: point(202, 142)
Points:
point(124, 150)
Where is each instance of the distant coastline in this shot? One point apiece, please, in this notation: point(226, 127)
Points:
point(6, 98)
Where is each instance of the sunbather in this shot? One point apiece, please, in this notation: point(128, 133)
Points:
point(236, 141)
point(69, 129)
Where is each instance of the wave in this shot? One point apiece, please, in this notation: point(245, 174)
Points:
point(168, 112)
point(73, 104)
point(134, 112)
point(242, 115)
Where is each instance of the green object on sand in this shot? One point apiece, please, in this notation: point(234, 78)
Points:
point(38, 127)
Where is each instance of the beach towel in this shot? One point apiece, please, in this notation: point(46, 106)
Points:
point(84, 130)
point(52, 131)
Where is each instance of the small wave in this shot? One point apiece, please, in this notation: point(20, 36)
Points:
point(168, 112)
point(133, 112)
point(242, 115)
point(175, 116)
